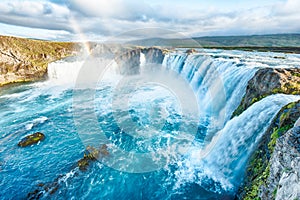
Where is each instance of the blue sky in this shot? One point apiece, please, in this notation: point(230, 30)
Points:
point(103, 19)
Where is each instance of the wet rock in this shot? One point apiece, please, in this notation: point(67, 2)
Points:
point(284, 178)
point(154, 55)
point(191, 51)
point(31, 139)
point(45, 189)
point(128, 62)
point(92, 154)
point(268, 81)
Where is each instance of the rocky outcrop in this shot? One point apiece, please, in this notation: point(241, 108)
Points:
point(92, 154)
point(272, 165)
point(269, 81)
point(24, 60)
point(154, 54)
point(128, 57)
point(31, 139)
point(128, 61)
point(284, 179)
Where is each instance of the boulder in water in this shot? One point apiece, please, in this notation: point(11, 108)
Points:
point(31, 139)
point(92, 154)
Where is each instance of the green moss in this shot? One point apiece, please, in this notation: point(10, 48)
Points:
point(289, 88)
point(258, 169)
point(254, 100)
point(295, 74)
point(274, 193)
point(284, 117)
point(277, 132)
point(262, 170)
point(291, 105)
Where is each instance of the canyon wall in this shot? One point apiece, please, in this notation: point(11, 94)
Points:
point(23, 60)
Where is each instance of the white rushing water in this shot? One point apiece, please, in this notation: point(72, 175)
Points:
point(224, 158)
point(219, 83)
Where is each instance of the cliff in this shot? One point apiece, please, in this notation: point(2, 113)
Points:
point(273, 169)
point(23, 60)
point(273, 172)
point(269, 81)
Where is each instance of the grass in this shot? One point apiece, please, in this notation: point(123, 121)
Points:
point(28, 59)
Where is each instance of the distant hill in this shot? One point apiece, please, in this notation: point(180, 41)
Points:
point(277, 40)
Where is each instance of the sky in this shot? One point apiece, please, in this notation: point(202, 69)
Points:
point(102, 20)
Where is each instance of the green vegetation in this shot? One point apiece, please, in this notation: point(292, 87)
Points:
point(258, 169)
point(274, 193)
point(28, 59)
point(288, 43)
point(292, 86)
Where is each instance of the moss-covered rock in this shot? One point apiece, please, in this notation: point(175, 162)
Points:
point(269, 81)
point(92, 154)
point(31, 139)
point(259, 166)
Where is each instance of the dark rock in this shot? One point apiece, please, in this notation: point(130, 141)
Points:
point(275, 162)
point(31, 139)
point(128, 62)
point(191, 51)
point(154, 55)
point(92, 154)
point(269, 81)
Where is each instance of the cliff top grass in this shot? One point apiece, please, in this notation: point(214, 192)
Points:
point(35, 49)
point(25, 60)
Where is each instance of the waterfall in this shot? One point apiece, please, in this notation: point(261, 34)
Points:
point(64, 72)
point(224, 158)
point(68, 72)
point(219, 85)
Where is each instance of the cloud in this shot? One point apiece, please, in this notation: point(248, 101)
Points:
point(35, 14)
point(106, 18)
point(115, 9)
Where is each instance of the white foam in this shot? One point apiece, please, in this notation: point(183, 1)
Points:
point(36, 122)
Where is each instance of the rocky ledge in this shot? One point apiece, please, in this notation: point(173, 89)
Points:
point(273, 170)
point(23, 60)
point(269, 81)
point(284, 178)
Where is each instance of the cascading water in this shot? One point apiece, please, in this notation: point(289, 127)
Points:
point(211, 167)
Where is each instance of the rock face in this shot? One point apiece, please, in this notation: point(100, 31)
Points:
point(154, 55)
point(31, 139)
point(273, 163)
point(269, 81)
point(24, 60)
point(128, 61)
point(284, 178)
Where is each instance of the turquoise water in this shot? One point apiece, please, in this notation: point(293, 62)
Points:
point(154, 150)
point(32, 109)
